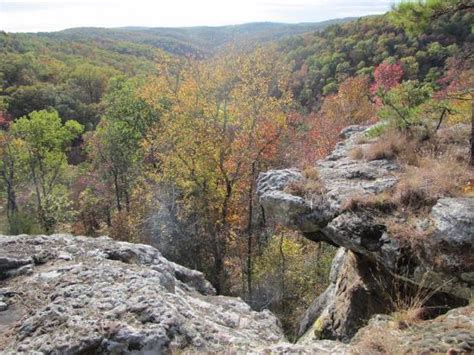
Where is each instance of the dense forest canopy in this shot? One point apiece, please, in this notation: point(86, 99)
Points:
point(158, 135)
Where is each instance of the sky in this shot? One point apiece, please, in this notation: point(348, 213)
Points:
point(53, 15)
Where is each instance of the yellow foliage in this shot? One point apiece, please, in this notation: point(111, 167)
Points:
point(461, 110)
point(218, 119)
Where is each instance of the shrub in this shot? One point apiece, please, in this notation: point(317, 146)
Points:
point(311, 173)
point(376, 131)
point(310, 187)
point(122, 228)
point(23, 223)
point(288, 275)
point(357, 153)
point(378, 339)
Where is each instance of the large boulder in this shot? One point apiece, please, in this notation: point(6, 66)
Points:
point(73, 295)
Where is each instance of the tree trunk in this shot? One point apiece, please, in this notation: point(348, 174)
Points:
point(220, 239)
point(472, 130)
point(117, 192)
point(249, 235)
point(218, 266)
point(282, 267)
point(249, 268)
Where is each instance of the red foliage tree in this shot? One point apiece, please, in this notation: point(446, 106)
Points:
point(386, 76)
point(5, 120)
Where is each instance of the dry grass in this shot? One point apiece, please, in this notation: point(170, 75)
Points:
point(303, 187)
point(394, 145)
point(380, 202)
point(357, 153)
point(308, 187)
point(391, 145)
point(311, 173)
point(421, 186)
point(405, 231)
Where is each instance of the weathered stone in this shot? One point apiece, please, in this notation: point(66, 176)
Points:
point(351, 130)
point(454, 221)
point(322, 301)
point(116, 298)
point(322, 347)
point(443, 263)
point(8, 264)
point(343, 179)
point(277, 180)
point(452, 241)
point(352, 298)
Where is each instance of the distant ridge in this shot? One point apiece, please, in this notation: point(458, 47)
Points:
point(199, 40)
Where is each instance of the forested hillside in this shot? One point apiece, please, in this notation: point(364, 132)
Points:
point(322, 60)
point(70, 70)
point(159, 135)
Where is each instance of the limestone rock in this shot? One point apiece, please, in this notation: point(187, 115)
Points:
point(343, 179)
point(453, 219)
point(10, 266)
point(443, 263)
point(352, 298)
point(113, 297)
point(322, 347)
point(285, 208)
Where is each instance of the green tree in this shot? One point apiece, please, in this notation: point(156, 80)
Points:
point(43, 143)
point(422, 15)
point(89, 82)
point(9, 172)
point(115, 146)
point(417, 16)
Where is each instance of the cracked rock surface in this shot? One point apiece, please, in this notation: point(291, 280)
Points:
point(61, 294)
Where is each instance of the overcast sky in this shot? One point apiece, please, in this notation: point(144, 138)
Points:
point(51, 15)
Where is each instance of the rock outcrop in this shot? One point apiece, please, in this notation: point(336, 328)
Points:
point(370, 258)
point(340, 312)
point(61, 294)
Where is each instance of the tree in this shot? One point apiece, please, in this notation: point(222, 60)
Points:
point(402, 106)
point(89, 82)
point(457, 89)
point(386, 76)
point(115, 146)
point(44, 141)
point(220, 123)
point(417, 16)
point(420, 15)
point(351, 104)
point(9, 172)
